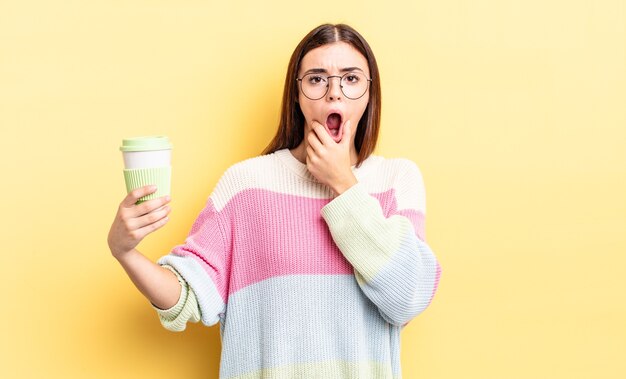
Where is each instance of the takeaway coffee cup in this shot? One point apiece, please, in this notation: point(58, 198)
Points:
point(147, 161)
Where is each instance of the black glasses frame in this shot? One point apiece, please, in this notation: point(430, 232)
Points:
point(340, 86)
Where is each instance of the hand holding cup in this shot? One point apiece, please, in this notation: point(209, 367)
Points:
point(135, 221)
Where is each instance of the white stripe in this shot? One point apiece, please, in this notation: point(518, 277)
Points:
point(280, 172)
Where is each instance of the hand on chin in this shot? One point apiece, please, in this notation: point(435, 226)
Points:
point(328, 158)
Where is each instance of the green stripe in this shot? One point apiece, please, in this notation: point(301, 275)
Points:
point(366, 238)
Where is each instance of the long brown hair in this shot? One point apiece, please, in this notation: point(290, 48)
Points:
point(290, 131)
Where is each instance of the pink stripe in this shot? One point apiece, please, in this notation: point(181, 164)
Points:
point(282, 234)
point(271, 234)
point(205, 245)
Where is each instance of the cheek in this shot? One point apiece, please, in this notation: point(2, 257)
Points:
point(306, 107)
point(364, 106)
point(360, 110)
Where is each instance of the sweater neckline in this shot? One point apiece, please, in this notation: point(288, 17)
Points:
point(300, 169)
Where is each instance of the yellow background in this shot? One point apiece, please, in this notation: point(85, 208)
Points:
point(514, 110)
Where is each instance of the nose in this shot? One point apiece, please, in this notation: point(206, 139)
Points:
point(334, 88)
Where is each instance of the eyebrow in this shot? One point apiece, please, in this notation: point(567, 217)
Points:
point(324, 71)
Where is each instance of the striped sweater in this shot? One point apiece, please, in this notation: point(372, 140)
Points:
point(304, 283)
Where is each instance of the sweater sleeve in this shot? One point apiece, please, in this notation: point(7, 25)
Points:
point(202, 264)
point(393, 265)
point(186, 310)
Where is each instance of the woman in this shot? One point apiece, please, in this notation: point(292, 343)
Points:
point(311, 256)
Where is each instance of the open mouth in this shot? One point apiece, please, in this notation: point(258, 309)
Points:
point(334, 124)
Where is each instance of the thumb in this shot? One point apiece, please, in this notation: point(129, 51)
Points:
point(347, 130)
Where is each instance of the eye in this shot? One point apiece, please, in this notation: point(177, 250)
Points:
point(315, 79)
point(353, 78)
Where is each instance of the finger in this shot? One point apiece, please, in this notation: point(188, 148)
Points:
point(149, 206)
point(137, 193)
point(144, 231)
point(322, 134)
point(150, 218)
point(347, 129)
point(314, 141)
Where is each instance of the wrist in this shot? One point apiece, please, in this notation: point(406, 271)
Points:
point(344, 185)
point(123, 256)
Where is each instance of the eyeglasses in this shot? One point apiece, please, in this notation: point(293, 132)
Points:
point(315, 86)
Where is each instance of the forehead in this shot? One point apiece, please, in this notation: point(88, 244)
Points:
point(333, 57)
